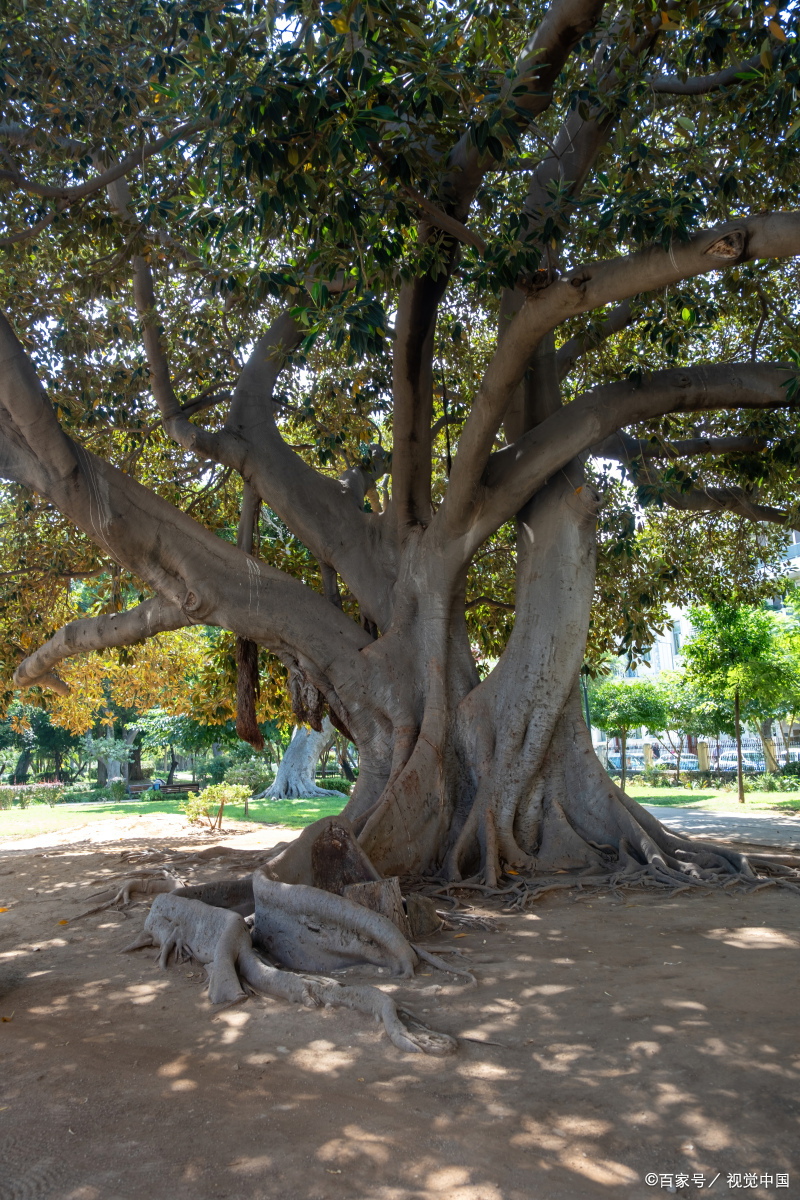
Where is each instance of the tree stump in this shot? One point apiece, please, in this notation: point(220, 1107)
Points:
point(382, 896)
point(422, 916)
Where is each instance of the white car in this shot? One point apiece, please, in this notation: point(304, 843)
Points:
point(750, 761)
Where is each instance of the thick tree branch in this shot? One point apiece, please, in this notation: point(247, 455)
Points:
point(771, 235)
point(569, 353)
point(628, 449)
point(190, 569)
point(730, 500)
point(96, 633)
point(701, 85)
point(325, 514)
point(28, 413)
point(530, 92)
point(516, 472)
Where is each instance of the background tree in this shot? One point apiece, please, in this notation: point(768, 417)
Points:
point(736, 651)
point(295, 776)
point(682, 703)
point(620, 705)
point(310, 320)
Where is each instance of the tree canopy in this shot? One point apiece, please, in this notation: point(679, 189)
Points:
point(288, 156)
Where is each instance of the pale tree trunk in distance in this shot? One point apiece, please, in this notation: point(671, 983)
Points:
point(739, 767)
point(295, 777)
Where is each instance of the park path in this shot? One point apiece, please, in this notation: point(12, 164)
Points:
point(755, 829)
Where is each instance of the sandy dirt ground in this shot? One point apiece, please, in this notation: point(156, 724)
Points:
point(606, 1040)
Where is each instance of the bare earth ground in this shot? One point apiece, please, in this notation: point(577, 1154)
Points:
point(658, 1037)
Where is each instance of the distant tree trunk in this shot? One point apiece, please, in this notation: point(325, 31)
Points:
point(172, 765)
point(114, 765)
point(57, 764)
point(344, 763)
point(295, 777)
point(135, 773)
point(624, 742)
point(739, 770)
point(22, 767)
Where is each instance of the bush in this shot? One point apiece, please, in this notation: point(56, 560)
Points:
point(31, 793)
point(653, 777)
point(210, 803)
point(771, 783)
point(252, 775)
point(216, 768)
point(118, 790)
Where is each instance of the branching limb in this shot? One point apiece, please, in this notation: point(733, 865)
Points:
point(701, 85)
point(317, 509)
point(516, 472)
point(627, 449)
point(531, 91)
point(117, 171)
point(771, 235)
point(569, 353)
point(96, 633)
point(731, 500)
point(527, 95)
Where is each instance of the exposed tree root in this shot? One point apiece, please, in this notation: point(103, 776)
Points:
point(435, 961)
point(220, 939)
point(133, 888)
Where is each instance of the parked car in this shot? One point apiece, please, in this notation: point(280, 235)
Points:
point(668, 761)
point(750, 761)
point(633, 764)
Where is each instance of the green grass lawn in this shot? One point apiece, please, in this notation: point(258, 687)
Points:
point(715, 800)
point(40, 818)
point(18, 823)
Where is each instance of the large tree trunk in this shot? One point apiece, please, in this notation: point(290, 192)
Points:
point(477, 776)
point(295, 777)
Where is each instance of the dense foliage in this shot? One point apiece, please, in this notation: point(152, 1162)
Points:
point(287, 153)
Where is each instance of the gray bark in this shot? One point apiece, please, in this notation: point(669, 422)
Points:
point(295, 776)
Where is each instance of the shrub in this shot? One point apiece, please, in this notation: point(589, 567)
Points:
point(32, 793)
point(771, 783)
point(216, 768)
point(49, 793)
point(252, 775)
point(210, 803)
point(118, 790)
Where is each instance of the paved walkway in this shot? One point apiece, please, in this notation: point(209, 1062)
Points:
point(760, 829)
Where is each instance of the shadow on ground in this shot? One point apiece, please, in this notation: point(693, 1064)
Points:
point(606, 1040)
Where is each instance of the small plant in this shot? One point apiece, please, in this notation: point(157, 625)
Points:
point(6, 798)
point(209, 804)
point(118, 790)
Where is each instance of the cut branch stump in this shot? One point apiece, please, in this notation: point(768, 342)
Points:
point(382, 896)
